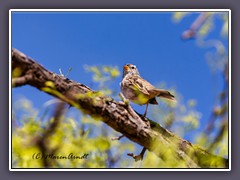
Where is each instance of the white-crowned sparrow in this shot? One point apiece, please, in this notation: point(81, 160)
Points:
point(138, 90)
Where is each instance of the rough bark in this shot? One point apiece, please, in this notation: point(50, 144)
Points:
point(122, 118)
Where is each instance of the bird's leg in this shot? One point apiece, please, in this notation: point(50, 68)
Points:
point(138, 157)
point(125, 101)
point(145, 113)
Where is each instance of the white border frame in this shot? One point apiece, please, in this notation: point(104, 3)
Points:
point(115, 10)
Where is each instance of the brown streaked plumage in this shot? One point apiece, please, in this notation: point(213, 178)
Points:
point(140, 91)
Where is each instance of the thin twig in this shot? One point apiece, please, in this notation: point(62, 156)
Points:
point(138, 157)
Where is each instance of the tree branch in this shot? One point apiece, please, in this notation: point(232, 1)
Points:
point(147, 133)
point(191, 32)
point(20, 81)
point(43, 140)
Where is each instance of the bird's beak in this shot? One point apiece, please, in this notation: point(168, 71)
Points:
point(126, 68)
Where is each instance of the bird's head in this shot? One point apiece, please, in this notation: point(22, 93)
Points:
point(130, 68)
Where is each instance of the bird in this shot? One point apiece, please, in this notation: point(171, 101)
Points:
point(139, 91)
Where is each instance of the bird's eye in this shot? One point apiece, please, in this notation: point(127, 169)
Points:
point(133, 67)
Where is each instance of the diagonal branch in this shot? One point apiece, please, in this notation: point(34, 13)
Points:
point(147, 133)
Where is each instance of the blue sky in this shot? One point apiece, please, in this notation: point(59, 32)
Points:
point(149, 40)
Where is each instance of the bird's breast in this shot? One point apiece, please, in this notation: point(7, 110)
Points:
point(133, 95)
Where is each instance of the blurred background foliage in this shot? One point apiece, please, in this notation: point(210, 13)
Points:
point(79, 134)
point(215, 136)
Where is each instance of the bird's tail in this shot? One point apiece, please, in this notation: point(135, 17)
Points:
point(165, 94)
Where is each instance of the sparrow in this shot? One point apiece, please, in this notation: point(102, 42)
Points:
point(139, 91)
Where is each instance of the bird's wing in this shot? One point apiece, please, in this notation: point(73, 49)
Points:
point(141, 85)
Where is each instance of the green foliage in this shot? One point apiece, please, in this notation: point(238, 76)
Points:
point(103, 75)
point(206, 26)
point(181, 117)
point(215, 136)
point(71, 137)
point(218, 59)
point(92, 137)
point(178, 16)
point(80, 135)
